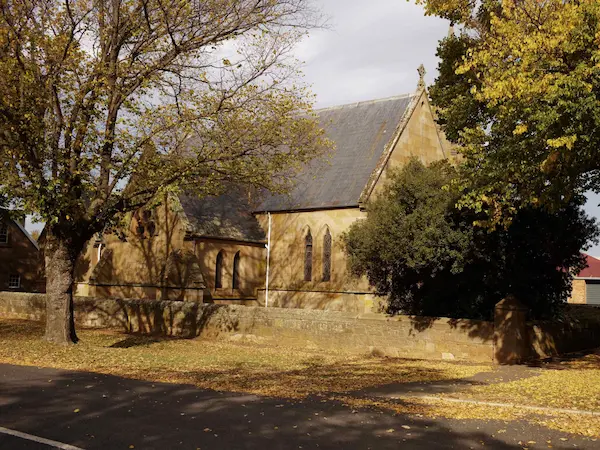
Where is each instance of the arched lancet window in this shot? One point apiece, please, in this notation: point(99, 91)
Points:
point(327, 256)
point(219, 271)
point(308, 252)
point(235, 283)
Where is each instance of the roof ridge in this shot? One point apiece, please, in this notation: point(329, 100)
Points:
point(366, 102)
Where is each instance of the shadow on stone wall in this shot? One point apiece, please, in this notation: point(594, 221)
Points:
point(516, 340)
point(577, 329)
point(158, 318)
point(508, 340)
point(143, 260)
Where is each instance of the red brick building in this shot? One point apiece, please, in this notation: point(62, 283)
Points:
point(586, 285)
point(21, 261)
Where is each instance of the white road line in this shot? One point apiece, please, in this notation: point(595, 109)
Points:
point(41, 440)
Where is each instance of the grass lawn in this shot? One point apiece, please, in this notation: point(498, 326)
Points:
point(295, 374)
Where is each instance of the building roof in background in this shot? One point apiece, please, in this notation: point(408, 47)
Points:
point(593, 268)
point(361, 133)
point(227, 216)
point(7, 214)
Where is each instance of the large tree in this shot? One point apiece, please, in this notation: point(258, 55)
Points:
point(107, 104)
point(519, 91)
point(428, 258)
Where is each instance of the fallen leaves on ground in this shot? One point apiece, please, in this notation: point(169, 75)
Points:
point(220, 365)
point(568, 384)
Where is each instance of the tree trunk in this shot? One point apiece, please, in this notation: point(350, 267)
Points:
point(60, 264)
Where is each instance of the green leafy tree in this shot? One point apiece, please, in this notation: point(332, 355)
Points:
point(105, 105)
point(518, 91)
point(427, 256)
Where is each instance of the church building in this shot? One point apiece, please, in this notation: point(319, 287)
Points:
point(278, 250)
point(307, 264)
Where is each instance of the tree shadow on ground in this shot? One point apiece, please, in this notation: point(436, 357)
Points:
point(419, 388)
point(99, 411)
point(587, 359)
point(139, 340)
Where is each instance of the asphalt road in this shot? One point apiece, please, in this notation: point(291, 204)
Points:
point(92, 411)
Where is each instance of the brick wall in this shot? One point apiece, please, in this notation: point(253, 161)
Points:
point(333, 330)
point(578, 292)
point(19, 256)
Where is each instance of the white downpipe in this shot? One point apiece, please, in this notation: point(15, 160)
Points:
point(99, 252)
point(268, 262)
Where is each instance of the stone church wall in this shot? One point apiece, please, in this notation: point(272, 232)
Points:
point(287, 287)
point(421, 139)
point(132, 262)
point(251, 270)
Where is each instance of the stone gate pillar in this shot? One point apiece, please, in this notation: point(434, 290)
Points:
point(510, 332)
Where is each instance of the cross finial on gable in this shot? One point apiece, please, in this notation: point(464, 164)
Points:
point(421, 71)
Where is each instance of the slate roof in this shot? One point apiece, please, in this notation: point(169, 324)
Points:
point(361, 132)
point(226, 216)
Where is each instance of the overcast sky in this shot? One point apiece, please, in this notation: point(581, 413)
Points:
point(372, 50)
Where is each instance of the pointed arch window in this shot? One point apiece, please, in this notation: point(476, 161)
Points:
point(219, 271)
point(327, 256)
point(235, 282)
point(308, 254)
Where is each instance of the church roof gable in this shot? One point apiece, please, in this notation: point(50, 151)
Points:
point(361, 133)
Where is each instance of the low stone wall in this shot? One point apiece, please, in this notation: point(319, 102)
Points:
point(333, 330)
point(509, 340)
point(577, 330)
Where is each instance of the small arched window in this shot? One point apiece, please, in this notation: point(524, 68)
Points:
point(327, 256)
point(308, 253)
point(219, 271)
point(235, 282)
